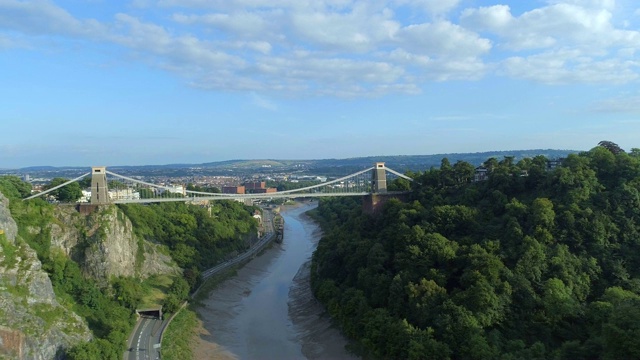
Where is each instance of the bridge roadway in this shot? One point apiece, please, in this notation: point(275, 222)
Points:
point(268, 196)
point(144, 344)
point(356, 186)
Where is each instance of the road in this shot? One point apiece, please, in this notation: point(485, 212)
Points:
point(146, 340)
point(266, 237)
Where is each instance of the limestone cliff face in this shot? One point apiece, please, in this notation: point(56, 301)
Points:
point(66, 233)
point(112, 246)
point(105, 245)
point(7, 224)
point(33, 325)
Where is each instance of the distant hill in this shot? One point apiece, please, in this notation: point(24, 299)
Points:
point(325, 166)
point(42, 168)
point(420, 162)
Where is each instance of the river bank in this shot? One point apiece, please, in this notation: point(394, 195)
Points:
point(267, 310)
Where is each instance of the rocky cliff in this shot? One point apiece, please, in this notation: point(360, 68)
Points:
point(104, 243)
point(33, 325)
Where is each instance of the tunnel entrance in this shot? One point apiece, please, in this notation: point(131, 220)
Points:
point(155, 313)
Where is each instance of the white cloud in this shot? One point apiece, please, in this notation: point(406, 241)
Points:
point(570, 66)
point(349, 47)
point(361, 29)
point(435, 7)
point(628, 104)
point(565, 42)
point(556, 25)
point(257, 46)
point(233, 5)
point(41, 17)
point(243, 24)
point(598, 4)
point(262, 102)
point(187, 52)
point(443, 38)
point(6, 42)
point(437, 69)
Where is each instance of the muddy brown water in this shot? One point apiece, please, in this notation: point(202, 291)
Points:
point(268, 311)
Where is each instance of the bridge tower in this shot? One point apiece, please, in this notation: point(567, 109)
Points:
point(99, 190)
point(379, 179)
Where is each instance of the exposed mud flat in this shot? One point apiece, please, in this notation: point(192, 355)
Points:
point(268, 311)
point(313, 327)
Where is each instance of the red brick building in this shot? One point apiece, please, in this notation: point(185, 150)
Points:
point(255, 185)
point(264, 191)
point(233, 190)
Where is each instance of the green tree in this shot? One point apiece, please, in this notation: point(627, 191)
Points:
point(146, 193)
point(622, 330)
point(68, 193)
point(12, 186)
point(463, 172)
point(543, 266)
point(447, 176)
point(542, 213)
point(611, 146)
point(128, 292)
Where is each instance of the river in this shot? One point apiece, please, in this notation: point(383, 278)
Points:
point(267, 311)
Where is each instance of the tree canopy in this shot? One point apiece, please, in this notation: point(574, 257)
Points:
point(68, 193)
point(532, 263)
point(195, 237)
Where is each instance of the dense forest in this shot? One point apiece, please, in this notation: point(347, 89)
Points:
point(197, 237)
point(194, 236)
point(533, 263)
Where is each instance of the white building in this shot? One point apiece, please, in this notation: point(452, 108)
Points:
point(86, 196)
point(124, 194)
point(174, 189)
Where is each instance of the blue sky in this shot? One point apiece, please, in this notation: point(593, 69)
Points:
point(137, 82)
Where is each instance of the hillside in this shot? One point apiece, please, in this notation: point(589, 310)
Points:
point(70, 281)
point(530, 264)
point(401, 163)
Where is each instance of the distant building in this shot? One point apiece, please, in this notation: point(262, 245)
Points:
point(248, 202)
point(481, 174)
point(174, 189)
point(255, 185)
point(264, 191)
point(86, 196)
point(123, 194)
point(233, 189)
point(553, 164)
point(258, 217)
point(178, 189)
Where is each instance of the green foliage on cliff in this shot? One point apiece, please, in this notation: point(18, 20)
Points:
point(528, 264)
point(178, 338)
point(196, 239)
point(8, 253)
point(13, 188)
point(109, 320)
point(67, 194)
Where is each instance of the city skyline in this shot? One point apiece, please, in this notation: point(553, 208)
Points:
point(194, 81)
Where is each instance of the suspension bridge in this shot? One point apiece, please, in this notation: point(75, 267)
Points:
point(111, 188)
